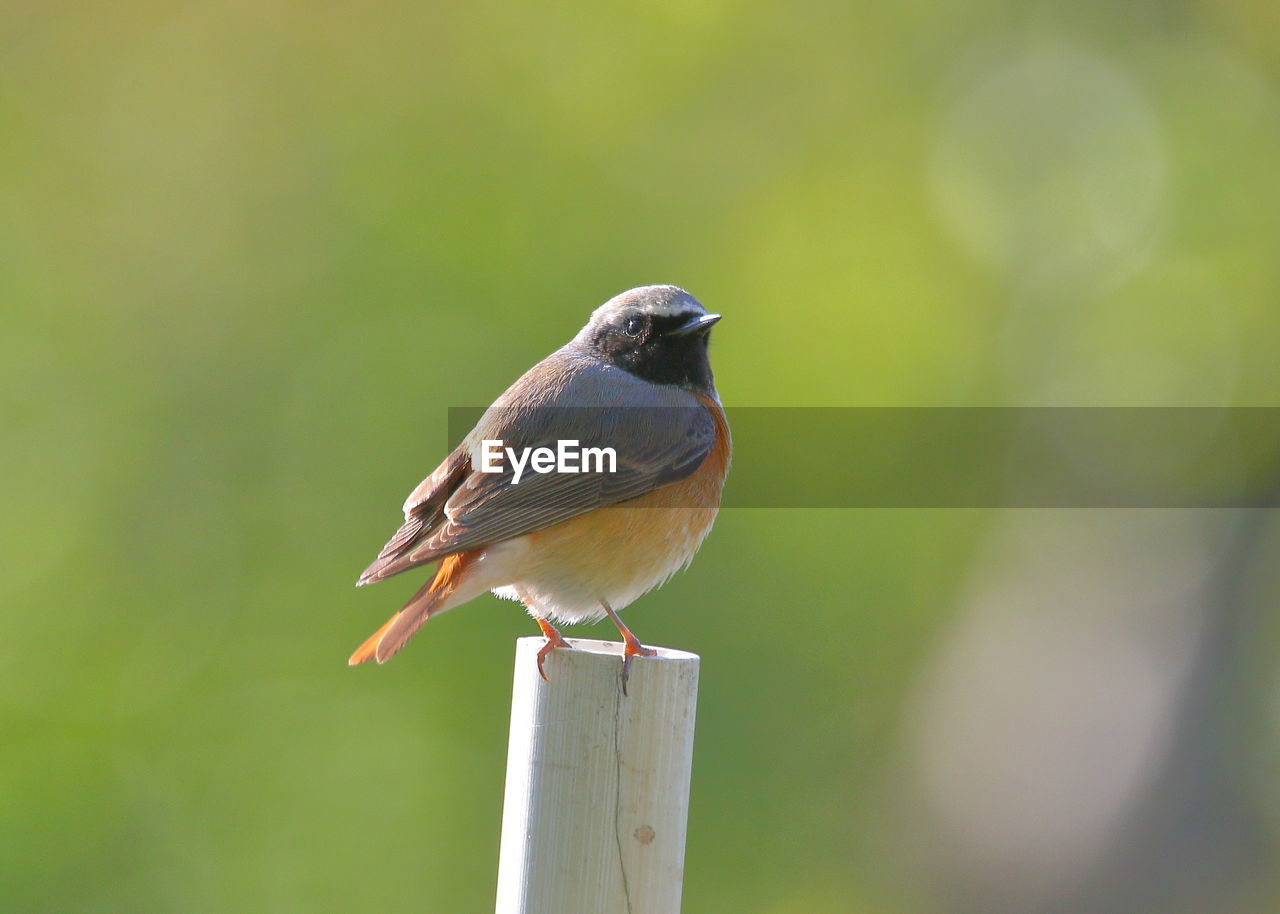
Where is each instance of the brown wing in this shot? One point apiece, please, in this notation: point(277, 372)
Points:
point(660, 435)
point(487, 508)
point(423, 511)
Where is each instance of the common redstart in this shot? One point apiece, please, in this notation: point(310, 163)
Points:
point(572, 545)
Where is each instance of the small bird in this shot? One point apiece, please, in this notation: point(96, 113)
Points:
point(575, 546)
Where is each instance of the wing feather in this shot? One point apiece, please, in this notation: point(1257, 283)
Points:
point(660, 435)
point(423, 511)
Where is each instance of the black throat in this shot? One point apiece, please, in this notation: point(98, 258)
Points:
point(679, 360)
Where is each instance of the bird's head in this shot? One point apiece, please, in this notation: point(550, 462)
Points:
point(659, 333)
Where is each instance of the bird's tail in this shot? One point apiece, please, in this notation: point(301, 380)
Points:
point(383, 644)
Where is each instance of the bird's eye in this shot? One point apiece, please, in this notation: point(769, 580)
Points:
point(634, 325)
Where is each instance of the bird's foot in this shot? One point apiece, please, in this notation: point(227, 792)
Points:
point(631, 644)
point(632, 648)
point(554, 640)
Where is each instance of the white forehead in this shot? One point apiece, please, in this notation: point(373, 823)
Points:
point(660, 301)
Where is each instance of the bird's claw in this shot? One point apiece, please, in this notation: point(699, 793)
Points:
point(554, 640)
point(633, 649)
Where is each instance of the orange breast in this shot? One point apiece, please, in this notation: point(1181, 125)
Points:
point(623, 551)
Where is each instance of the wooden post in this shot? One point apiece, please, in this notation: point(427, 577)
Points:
point(597, 794)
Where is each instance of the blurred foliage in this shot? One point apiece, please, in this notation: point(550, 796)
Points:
point(251, 252)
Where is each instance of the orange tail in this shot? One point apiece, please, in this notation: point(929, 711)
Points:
point(383, 644)
point(369, 649)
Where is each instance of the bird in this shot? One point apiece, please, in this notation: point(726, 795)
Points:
point(574, 547)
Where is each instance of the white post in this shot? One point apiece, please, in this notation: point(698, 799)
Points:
point(597, 782)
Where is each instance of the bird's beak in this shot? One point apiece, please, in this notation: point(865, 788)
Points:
point(701, 322)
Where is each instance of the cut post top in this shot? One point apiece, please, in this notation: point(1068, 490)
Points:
point(591, 647)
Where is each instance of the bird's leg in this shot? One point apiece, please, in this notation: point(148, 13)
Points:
point(631, 644)
point(554, 640)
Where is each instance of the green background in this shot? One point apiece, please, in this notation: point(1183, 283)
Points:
point(252, 252)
